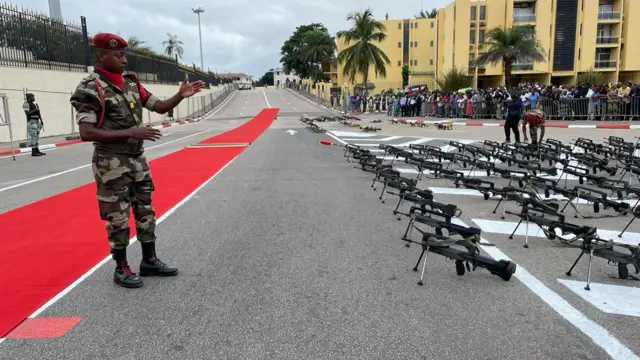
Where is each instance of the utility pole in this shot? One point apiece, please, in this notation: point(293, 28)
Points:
point(198, 11)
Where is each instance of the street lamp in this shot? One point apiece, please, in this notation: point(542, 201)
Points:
point(198, 11)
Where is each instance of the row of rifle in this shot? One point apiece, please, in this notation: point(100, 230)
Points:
point(535, 169)
point(346, 120)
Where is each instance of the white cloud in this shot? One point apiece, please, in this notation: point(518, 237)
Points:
point(237, 35)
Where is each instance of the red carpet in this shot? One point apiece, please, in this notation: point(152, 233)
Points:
point(49, 244)
point(247, 132)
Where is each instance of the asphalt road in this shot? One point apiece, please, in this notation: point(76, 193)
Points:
point(288, 254)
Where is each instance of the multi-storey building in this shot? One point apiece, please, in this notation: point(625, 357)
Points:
point(577, 36)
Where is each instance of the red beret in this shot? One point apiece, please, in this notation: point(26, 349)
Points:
point(109, 41)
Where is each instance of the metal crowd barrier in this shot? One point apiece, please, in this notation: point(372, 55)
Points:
point(601, 108)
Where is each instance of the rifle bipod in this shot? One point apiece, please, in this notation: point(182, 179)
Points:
point(465, 260)
point(595, 246)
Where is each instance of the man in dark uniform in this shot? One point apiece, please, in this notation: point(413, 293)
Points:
point(109, 112)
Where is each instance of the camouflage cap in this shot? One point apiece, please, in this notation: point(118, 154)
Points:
point(109, 41)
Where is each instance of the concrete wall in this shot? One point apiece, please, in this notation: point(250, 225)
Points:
point(53, 89)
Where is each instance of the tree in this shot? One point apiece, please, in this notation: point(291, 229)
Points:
point(307, 47)
point(317, 47)
point(453, 79)
point(427, 15)
point(266, 79)
point(405, 75)
point(173, 46)
point(357, 58)
point(508, 46)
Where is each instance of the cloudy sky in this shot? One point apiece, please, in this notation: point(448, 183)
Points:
point(237, 35)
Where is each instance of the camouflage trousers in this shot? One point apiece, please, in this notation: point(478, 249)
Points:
point(124, 184)
point(33, 132)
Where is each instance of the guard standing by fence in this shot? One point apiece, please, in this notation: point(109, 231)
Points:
point(34, 124)
point(109, 112)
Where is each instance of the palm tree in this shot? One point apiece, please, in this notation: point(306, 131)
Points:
point(427, 15)
point(136, 44)
point(173, 46)
point(317, 47)
point(508, 46)
point(357, 58)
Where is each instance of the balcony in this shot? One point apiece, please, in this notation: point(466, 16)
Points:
point(607, 40)
point(607, 15)
point(606, 64)
point(522, 67)
point(524, 18)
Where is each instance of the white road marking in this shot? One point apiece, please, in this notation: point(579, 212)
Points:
point(506, 228)
point(599, 335)
point(265, 98)
point(84, 166)
point(611, 299)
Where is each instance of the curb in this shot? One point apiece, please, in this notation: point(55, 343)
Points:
point(548, 125)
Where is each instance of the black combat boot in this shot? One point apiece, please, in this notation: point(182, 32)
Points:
point(151, 265)
point(35, 152)
point(123, 275)
point(39, 152)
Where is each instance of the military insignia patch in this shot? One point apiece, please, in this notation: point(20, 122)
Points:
point(132, 105)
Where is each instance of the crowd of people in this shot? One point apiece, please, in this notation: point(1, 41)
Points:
point(619, 101)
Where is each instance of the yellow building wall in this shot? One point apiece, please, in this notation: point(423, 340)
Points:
point(630, 59)
point(452, 45)
point(586, 43)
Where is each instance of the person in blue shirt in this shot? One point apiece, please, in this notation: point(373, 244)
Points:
point(514, 113)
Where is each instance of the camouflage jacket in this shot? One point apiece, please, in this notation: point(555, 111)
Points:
point(99, 102)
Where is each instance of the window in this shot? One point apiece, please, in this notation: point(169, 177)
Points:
point(399, 26)
point(483, 13)
point(411, 25)
point(430, 61)
point(472, 36)
point(431, 43)
point(415, 26)
point(399, 45)
point(411, 44)
point(432, 24)
point(481, 37)
point(399, 64)
point(278, 73)
point(415, 62)
point(473, 13)
point(579, 53)
point(415, 44)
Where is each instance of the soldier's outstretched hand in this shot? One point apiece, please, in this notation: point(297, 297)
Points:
point(188, 89)
point(146, 133)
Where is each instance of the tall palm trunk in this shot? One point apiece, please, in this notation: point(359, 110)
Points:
point(508, 65)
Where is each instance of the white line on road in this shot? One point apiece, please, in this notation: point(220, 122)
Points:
point(84, 166)
point(265, 98)
point(599, 335)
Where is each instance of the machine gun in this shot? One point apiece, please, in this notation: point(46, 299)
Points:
point(467, 256)
point(593, 245)
point(548, 220)
point(598, 198)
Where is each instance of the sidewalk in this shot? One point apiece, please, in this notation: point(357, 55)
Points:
point(570, 124)
point(65, 140)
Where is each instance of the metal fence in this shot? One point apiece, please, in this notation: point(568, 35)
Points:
point(33, 40)
point(603, 109)
point(596, 109)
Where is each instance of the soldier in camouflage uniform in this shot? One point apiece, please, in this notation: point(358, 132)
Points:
point(109, 113)
point(534, 119)
point(34, 124)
